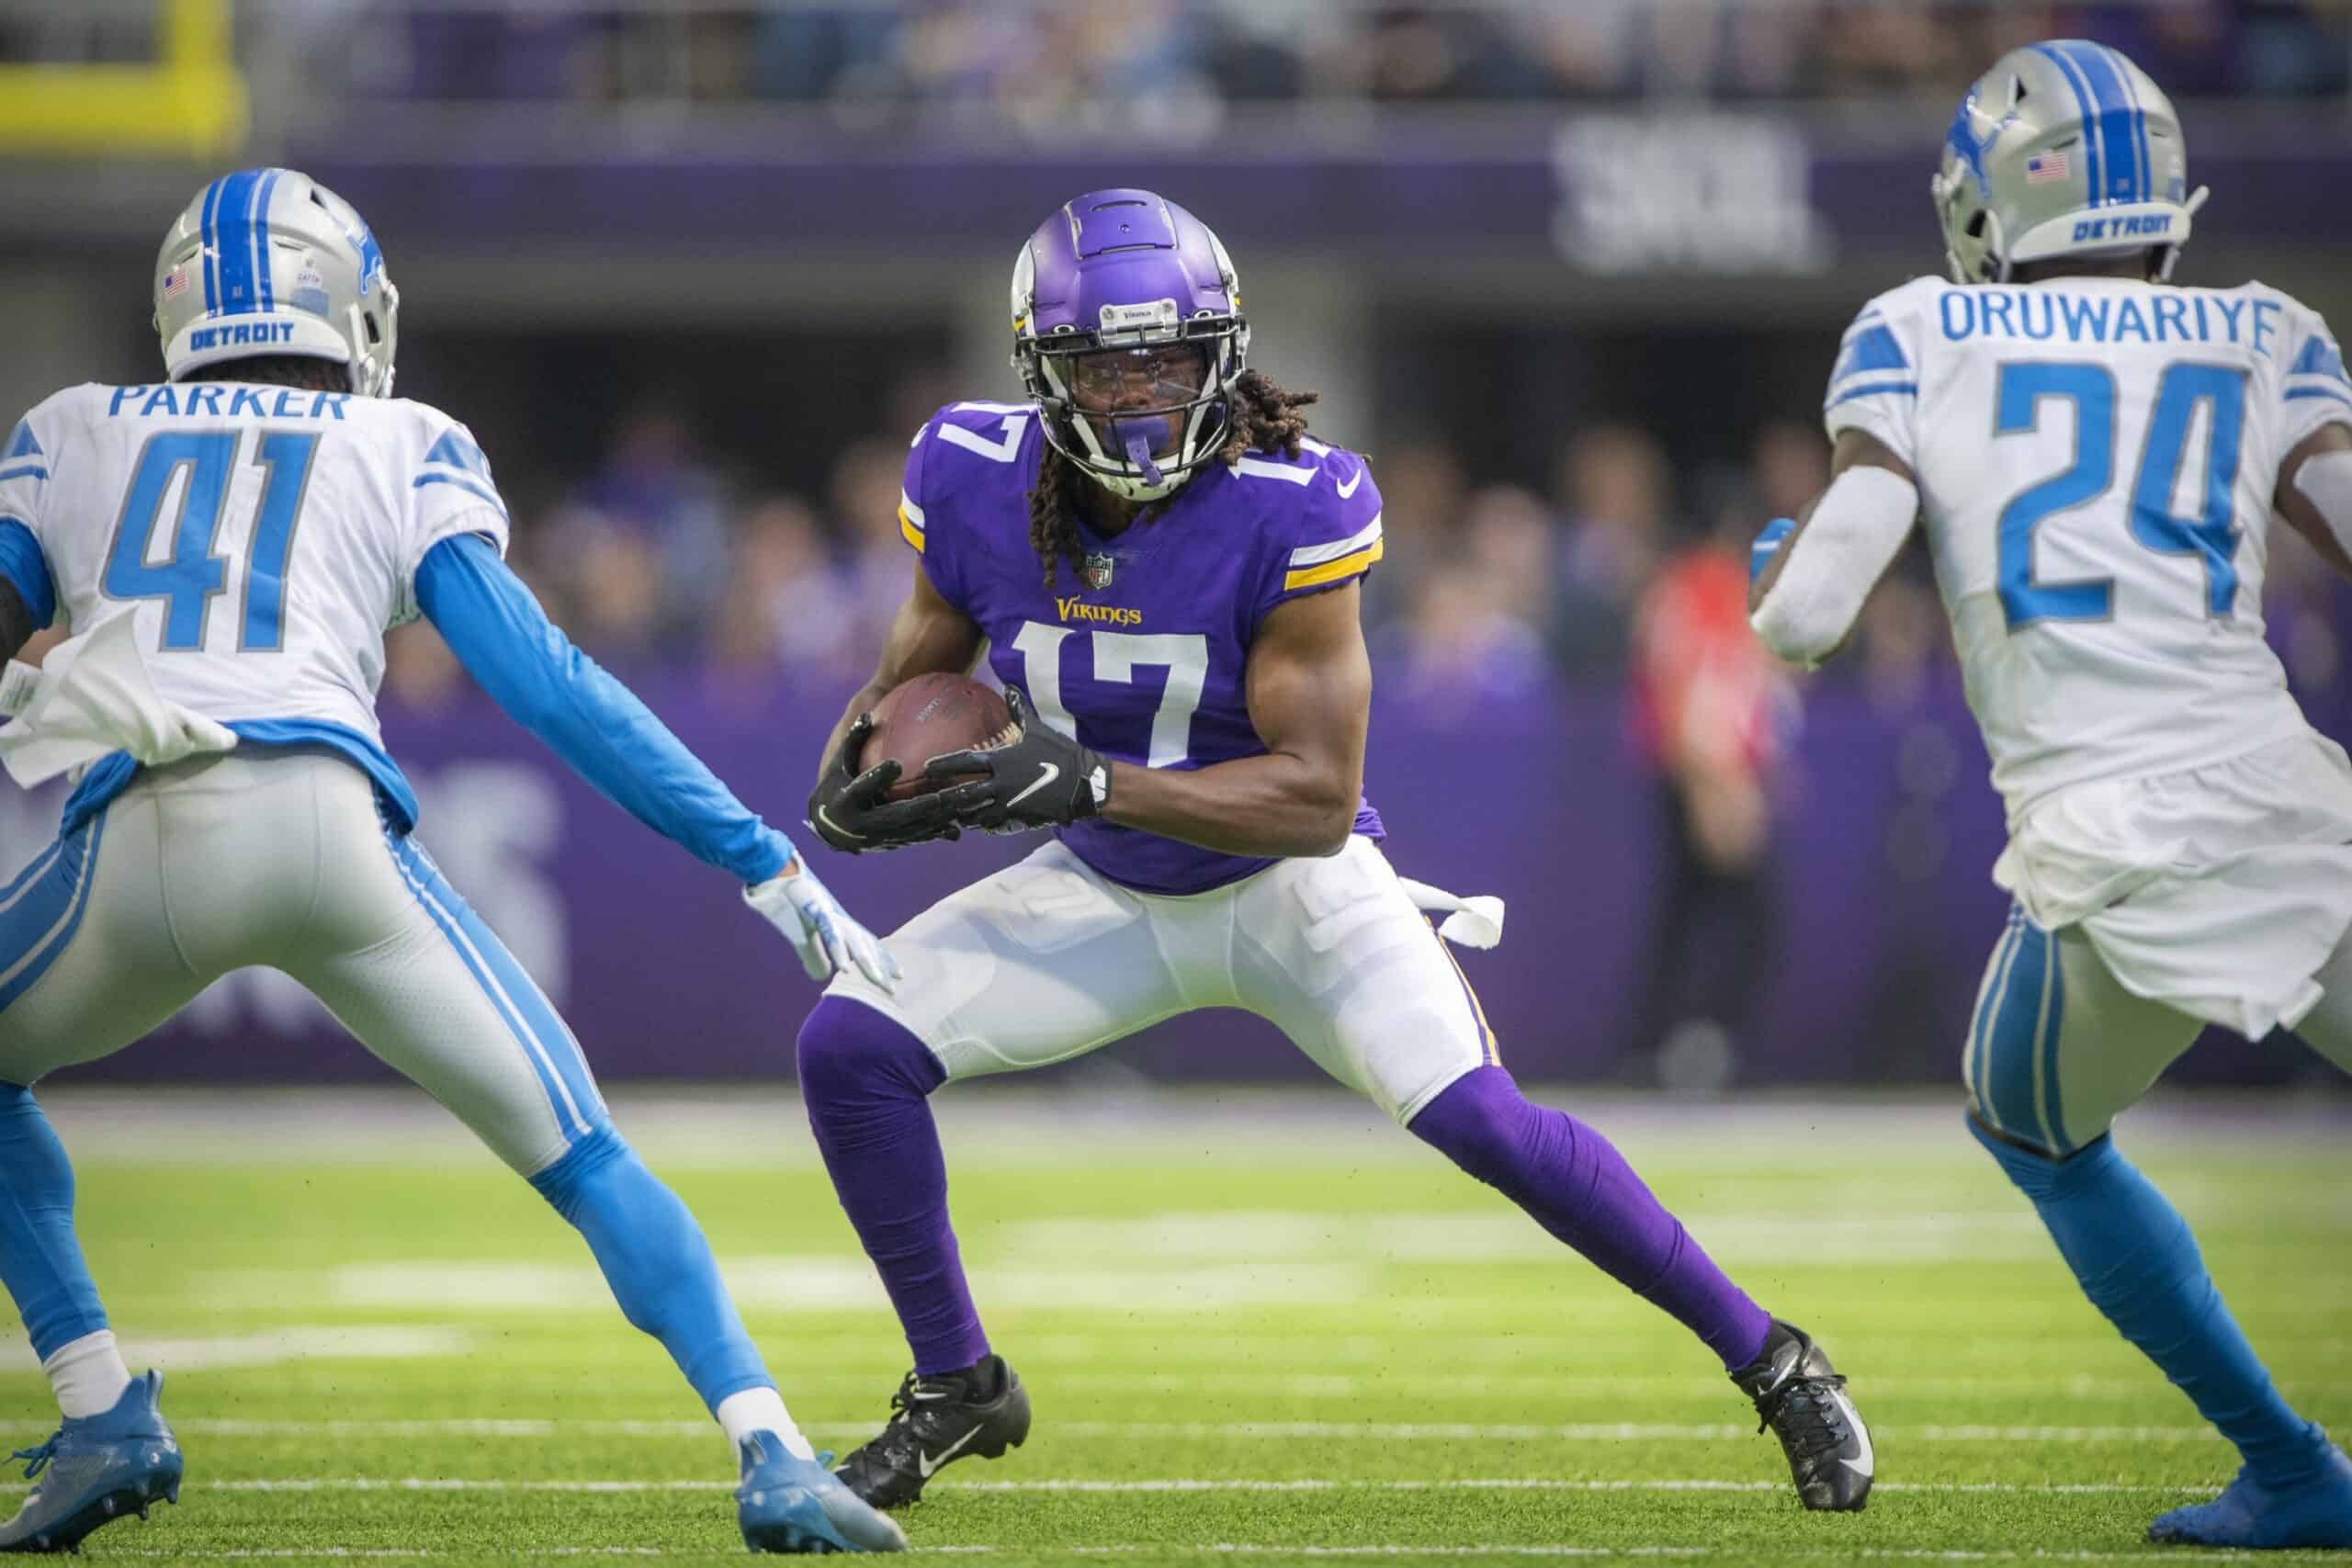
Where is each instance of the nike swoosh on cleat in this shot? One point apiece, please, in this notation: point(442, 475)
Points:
point(1349, 488)
point(1868, 1463)
point(927, 1465)
point(1050, 772)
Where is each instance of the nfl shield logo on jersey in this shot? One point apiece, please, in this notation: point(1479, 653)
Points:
point(1096, 572)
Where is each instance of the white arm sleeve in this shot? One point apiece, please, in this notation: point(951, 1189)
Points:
point(2326, 481)
point(1834, 561)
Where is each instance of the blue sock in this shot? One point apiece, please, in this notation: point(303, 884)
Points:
point(2139, 1265)
point(40, 1261)
point(657, 1262)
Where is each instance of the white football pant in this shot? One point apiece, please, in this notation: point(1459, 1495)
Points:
point(280, 859)
point(1048, 960)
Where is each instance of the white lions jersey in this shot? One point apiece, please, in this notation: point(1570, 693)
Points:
point(2096, 460)
point(265, 536)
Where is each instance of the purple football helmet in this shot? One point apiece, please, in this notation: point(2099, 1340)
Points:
point(1121, 276)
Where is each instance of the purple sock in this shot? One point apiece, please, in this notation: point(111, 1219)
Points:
point(1580, 1188)
point(864, 1080)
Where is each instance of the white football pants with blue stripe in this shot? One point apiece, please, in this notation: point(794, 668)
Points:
point(278, 857)
point(2058, 1048)
point(281, 860)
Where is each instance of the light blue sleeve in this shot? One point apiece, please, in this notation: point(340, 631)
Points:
point(25, 568)
point(500, 634)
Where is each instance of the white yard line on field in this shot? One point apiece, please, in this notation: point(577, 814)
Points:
point(761, 1125)
point(1239, 1548)
point(1160, 1486)
point(1482, 1386)
point(1374, 1431)
point(790, 1283)
point(269, 1347)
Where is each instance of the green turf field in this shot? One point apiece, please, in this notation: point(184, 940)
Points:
point(1252, 1327)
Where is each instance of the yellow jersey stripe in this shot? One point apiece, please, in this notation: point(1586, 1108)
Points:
point(914, 534)
point(1333, 570)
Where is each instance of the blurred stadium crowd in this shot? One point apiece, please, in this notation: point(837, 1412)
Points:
point(956, 53)
point(706, 497)
point(1629, 565)
point(1041, 63)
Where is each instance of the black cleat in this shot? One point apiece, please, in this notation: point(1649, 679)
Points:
point(1799, 1396)
point(982, 1411)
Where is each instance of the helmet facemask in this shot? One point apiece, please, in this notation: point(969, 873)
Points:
point(1146, 451)
point(1973, 250)
point(1127, 291)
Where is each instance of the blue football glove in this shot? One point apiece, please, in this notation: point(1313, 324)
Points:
point(1766, 546)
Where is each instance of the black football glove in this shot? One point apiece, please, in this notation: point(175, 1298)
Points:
point(1041, 778)
point(848, 812)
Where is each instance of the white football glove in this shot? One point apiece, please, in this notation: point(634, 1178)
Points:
point(819, 930)
point(94, 696)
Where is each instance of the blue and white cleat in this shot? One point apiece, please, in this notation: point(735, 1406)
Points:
point(97, 1470)
point(2251, 1516)
point(790, 1504)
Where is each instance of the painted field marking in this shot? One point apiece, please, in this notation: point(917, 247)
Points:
point(1165, 1487)
point(1372, 1431)
point(798, 1283)
point(1238, 1549)
point(271, 1346)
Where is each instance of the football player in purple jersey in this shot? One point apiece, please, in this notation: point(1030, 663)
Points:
point(1165, 570)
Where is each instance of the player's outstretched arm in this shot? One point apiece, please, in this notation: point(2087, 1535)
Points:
point(1310, 700)
point(929, 635)
point(496, 628)
point(2314, 493)
point(1819, 571)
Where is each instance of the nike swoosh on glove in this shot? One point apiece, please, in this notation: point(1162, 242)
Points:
point(819, 930)
point(1041, 778)
point(848, 811)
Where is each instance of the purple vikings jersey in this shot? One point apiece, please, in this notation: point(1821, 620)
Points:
point(1145, 659)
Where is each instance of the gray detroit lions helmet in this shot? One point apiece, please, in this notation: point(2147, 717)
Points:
point(2064, 148)
point(267, 261)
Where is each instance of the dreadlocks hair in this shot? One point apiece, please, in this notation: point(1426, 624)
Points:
point(306, 371)
point(1265, 418)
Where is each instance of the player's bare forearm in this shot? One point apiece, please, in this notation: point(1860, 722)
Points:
point(1310, 699)
point(2302, 489)
point(927, 636)
point(1274, 805)
point(16, 626)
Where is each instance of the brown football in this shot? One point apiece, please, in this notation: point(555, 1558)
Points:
point(930, 716)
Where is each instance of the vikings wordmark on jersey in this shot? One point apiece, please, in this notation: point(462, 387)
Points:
point(1145, 661)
